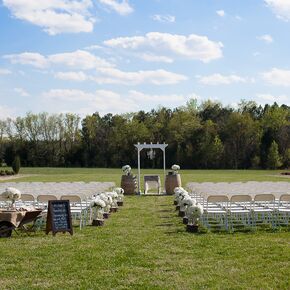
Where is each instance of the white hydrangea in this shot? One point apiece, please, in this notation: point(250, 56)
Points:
point(11, 194)
point(194, 213)
point(127, 169)
point(175, 168)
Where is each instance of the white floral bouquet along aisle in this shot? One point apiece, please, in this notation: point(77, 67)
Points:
point(127, 170)
point(175, 169)
point(108, 201)
point(120, 193)
point(99, 205)
point(11, 195)
point(114, 205)
point(194, 214)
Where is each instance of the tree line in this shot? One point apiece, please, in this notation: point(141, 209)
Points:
point(208, 135)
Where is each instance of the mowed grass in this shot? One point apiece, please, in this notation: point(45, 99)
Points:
point(145, 246)
point(114, 174)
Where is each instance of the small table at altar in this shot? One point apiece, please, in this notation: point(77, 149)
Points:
point(152, 181)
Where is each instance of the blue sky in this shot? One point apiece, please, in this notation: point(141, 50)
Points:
point(121, 56)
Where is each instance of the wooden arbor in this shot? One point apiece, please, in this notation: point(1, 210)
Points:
point(151, 146)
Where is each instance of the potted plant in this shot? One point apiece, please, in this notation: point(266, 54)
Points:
point(194, 214)
point(98, 204)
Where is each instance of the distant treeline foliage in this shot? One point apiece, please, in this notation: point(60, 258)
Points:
point(205, 136)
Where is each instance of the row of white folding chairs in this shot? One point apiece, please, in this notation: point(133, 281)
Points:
point(244, 210)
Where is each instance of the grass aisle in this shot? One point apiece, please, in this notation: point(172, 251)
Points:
point(145, 246)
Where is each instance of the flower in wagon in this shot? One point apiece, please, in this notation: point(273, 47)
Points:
point(11, 194)
point(175, 168)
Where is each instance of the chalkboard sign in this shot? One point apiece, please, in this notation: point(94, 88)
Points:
point(59, 217)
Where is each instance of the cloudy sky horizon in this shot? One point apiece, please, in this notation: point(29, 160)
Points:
point(120, 56)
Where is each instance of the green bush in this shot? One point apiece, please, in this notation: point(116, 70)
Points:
point(16, 164)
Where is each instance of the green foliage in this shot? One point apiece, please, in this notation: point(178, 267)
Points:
point(16, 164)
point(274, 159)
point(199, 136)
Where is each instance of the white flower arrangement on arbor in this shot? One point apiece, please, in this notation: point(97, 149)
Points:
point(127, 170)
point(11, 194)
point(175, 169)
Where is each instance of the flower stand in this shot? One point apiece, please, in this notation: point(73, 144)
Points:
point(192, 228)
point(98, 223)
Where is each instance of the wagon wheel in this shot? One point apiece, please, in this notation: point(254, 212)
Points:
point(5, 229)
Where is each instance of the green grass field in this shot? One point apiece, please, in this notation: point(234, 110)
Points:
point(145, 246)
point(108, 174)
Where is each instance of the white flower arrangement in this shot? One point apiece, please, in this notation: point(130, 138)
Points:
point(11, 194)
point(108, 201)
point(175, 168)
point(114, 197)
point(127, 169)
point(194, 214)
point(99, 204)
point(120, 193)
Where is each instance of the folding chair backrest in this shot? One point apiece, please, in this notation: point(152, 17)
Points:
point(46, 197)
point(264, 197)
point(217, 198)
point(27, 197)
point(241, 198)
point(71, 198)
point(285, 197)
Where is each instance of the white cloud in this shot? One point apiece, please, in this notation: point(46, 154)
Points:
point(4, 71)
point(22, 92)
point(266, 38)
point(281, 99)
point(164, 18)
point(78, 59)
point(122, 8)
point(220, 13)
point(193, 46)
point(155, 77)
point(104, 71)
point(105, 101)
point(281, 8)
point(218, 79)
point(28, 58)
point(72, 76)
point(54, 16)
point(154, 58)
point(277, 77)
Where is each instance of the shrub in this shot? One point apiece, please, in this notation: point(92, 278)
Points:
point(16, 164)
point(274, 159)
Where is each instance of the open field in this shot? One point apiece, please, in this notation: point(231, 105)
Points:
point(145, 246)
point(114, 174)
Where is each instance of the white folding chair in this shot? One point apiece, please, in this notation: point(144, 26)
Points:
point(263, 209)
point(240, 209)
point(77, 207)
point(283, 211)
point(216, 211)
